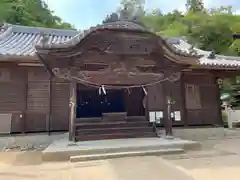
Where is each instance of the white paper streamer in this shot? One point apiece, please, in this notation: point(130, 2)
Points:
point(144, 90)
point(103, 89)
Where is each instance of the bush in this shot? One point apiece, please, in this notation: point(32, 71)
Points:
point(224, 117)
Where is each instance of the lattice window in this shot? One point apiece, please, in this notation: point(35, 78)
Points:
point(192, 94)
point(5, 75)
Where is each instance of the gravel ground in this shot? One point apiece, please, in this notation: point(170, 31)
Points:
point(30, 142)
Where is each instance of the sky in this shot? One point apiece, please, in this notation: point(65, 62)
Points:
point(86, 13)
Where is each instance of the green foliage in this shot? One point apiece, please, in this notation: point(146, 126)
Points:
point(132, 7)
point(195, 6)
point(224, 117)
point(208, 29)
point(30, 13)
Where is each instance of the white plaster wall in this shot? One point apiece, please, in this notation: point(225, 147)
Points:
point(235, 115)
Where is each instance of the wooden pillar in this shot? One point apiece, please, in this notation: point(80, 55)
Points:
point(72, 114)
point(219, 103)
point(24, 116)
point(168, 126)
point(167, 108)
point(169, 101)
point(49, 116)
point(183, 108)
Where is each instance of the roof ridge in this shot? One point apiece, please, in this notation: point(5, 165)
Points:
point(38, 30)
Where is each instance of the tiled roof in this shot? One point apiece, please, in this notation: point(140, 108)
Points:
point(18, 40)
point(205, 60)
point(21, 40)
point(122, 25)
point(117, 25)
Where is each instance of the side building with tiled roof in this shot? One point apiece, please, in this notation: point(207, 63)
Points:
point(38, 66)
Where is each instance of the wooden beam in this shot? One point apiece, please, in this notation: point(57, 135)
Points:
point(31, 64)
point(72, 107)
point(183, 100)
point(15, 58)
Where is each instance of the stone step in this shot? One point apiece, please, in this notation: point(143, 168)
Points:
point(118, 135)
point(114, 130)
point(102, 156)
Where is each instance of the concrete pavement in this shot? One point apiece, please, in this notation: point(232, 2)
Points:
point(219, 160)
point(144, 168)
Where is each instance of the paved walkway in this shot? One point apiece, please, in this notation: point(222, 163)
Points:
point(119, 169)
point(219, 160)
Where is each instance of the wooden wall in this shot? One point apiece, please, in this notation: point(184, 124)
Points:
point(196, 96)
point(60, 92)
point(202, 99)
point(13, 94)
point(39, 103)
point(157, 99)
point(36, 102)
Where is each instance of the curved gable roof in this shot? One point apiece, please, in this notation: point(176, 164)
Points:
point(16, 40)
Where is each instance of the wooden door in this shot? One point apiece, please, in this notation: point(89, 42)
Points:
point(38, 98)
point(59, 105)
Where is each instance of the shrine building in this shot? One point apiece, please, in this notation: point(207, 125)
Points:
point(115, 80)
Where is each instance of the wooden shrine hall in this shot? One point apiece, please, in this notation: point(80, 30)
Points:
point(115, 80)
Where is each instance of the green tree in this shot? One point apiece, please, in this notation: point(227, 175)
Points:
point(131, 8)
point(30, 13)
point(195, 6)
point(128, 9)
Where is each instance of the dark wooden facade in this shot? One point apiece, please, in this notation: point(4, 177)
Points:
point(41, 91)
point(40, 103)
point(37, 102)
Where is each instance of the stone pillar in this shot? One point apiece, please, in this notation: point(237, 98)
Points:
point(228, 111)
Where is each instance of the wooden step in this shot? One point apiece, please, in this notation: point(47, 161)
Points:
point(100, 119)
point(113, 130)
point(85, 120)
point(114, 116)
point(92, 125)
point(136, 118)
point(115, 136)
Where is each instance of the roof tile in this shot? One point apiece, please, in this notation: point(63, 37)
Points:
point(21, 41)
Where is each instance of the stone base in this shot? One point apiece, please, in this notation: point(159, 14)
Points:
point(100, 156)
point(60, 151)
